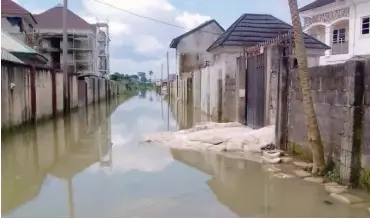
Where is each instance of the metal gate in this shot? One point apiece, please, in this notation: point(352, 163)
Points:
point(255, 89)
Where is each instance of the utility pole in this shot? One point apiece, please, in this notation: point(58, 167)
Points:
point(177, 75)
point(161, 77)
point(168, 78)
point(65, 59)
point(161, 90)
point(168, 94)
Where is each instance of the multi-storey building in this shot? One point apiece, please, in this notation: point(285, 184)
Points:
point(341, 24)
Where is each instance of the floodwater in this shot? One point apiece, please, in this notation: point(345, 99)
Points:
point(91, 164)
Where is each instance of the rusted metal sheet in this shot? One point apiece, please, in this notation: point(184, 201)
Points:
point(255, 90)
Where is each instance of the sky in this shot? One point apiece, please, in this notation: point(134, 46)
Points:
point(140, 45)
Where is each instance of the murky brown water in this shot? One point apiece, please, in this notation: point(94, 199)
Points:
point(92, 165)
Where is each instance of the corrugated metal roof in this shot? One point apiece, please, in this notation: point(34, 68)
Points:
point(11, 44)
point(5, 55)
point(316, 4)
point(177, 39)
point(53, 19)
point(251, 29)
point(18, 48)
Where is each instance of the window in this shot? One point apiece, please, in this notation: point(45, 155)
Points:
point(365, 25)
point(339, 35)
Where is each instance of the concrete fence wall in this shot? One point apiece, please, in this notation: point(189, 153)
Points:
point(15, 103)
point(341, 96)
point(33, 93)
point(37, 93)
point(214, 89)
point(93, 90)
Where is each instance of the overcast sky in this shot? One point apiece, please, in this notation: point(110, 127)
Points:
point(139, 44)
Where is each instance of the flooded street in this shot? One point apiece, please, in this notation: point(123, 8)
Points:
point(91, 164)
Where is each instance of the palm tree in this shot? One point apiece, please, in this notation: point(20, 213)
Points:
point(150, 74)
point(314, 137)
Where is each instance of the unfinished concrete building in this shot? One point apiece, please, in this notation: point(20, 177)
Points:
point(102, 33)
point(83, 42)
point(17, 21)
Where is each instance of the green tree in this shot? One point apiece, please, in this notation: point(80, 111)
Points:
point(142, 77)
point(134, 78)
point(116, 76)
point(314, 137)
point(150, 75)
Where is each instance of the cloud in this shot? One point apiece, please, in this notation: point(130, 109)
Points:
point(190, 20)
point(129, 65)
point(147, 44)
point(137, 44)
point(140, 44)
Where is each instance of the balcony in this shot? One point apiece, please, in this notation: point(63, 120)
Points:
point(339, 48)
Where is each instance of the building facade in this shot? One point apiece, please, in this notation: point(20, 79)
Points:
point(191, 47)
point(17, 21)
point(341, 24)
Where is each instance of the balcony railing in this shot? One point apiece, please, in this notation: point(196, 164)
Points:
point(339, 48)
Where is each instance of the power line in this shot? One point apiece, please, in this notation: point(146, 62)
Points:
point(150, 18)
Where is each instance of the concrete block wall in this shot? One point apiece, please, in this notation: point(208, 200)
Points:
point(16, 102)
point(205, 90)
point(38, 93)
point(329, 86)
point(365, 136)
point(59, 92)
point(272, 70)
point(74, 91)
point(93, 90)
point(44, 104)
point(229, 106)
point(197, 85)
point(338, 96)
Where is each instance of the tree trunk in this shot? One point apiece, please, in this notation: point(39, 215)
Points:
point(313, 134)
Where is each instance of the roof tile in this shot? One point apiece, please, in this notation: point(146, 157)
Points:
point(316, 4)
point(10, 7)
point(53, 19)
point(250, 29)
point(177, 39)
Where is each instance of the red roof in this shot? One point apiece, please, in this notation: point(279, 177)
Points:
point(53, 19)
point(10, 7)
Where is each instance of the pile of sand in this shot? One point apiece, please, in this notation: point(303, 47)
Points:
point(218, 137)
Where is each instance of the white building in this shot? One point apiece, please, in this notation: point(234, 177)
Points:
point(341, 24)
point(191, 46)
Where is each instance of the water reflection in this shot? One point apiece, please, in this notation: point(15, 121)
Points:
point(142, 94)
point(186, 116)
point(61, 148)
point(91, 164)
point(249, 191)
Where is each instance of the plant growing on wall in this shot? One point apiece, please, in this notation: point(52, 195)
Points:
point(314, 137)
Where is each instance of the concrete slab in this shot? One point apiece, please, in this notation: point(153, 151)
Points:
point(314, 179)
point(272, 161)
point(302, 173)
point(334, 187)
point(286, 159)
point(303, 165)
point(271, 168)
point(346, 198)
point(283, 175)
point(271, 154)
